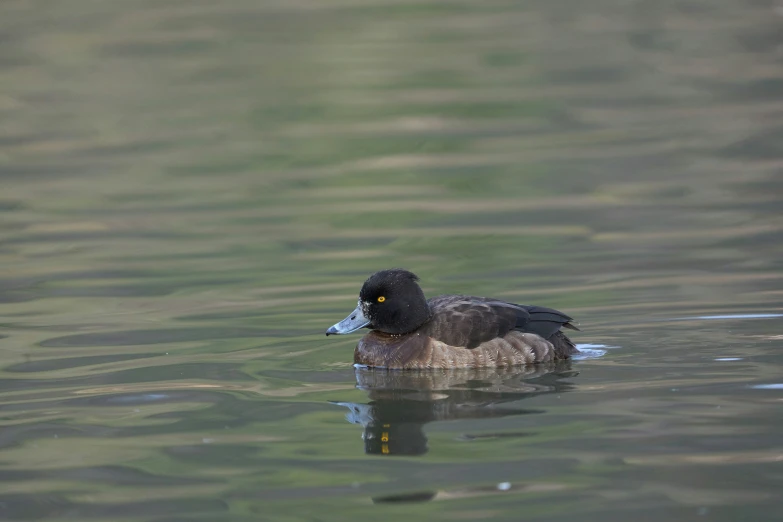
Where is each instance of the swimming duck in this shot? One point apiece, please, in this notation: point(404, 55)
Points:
point(408, 331)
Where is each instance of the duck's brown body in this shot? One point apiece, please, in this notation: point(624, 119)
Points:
point(471, 332)
point(417, 351)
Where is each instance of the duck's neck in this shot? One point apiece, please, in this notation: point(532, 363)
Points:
point(423, 314)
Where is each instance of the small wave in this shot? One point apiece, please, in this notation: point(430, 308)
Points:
point(727, 316)
point(138, 398)
point(591, 351)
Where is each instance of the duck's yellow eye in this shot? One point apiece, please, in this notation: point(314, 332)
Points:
point(381, 299)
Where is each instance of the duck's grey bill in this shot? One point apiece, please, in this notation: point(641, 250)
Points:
point(350, 324)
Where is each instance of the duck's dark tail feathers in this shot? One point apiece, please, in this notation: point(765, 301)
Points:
point(564, 348)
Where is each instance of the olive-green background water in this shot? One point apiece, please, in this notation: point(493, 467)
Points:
point(191, 192)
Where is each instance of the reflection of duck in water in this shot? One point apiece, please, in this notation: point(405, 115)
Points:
point(449, 331)
point(401, 403)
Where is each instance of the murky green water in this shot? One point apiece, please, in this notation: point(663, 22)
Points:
point(191, 192)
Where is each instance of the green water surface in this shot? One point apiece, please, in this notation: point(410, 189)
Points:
point(191, 192)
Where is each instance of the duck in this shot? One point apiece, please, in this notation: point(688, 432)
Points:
point(410, 332)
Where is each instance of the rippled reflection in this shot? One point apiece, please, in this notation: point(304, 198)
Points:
point(403, 402)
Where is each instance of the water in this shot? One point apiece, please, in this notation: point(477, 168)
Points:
point(192, 192)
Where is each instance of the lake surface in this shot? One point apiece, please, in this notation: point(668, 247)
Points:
point(192, 192)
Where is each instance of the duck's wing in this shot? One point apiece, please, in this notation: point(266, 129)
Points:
point(467, 321)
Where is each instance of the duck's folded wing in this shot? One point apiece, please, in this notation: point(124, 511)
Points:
point(544, 321)
point(468, 321)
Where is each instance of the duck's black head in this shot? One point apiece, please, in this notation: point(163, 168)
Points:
point(390, 301)
point(394, 302)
